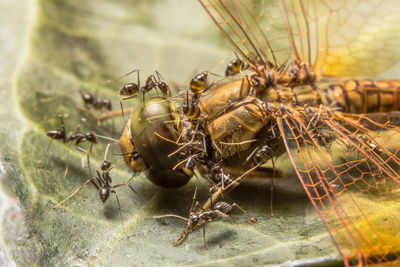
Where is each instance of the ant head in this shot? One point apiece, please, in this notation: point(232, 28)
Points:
point(104, 194)
point(87, 98)
point(91, 137)
point(106, 165)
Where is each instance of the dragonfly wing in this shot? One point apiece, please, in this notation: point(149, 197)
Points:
point(355, 38)
point(255, 29)
point(351, 175)
point(344, 38)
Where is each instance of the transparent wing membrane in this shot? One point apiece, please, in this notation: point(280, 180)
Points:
point(352, 177)
point(338, 38)
point(349, 164)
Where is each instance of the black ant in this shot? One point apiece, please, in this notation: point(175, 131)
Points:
point(91, 101)
point(103, 185)
point(198, 219)
point(132, 90)
point(61, 134)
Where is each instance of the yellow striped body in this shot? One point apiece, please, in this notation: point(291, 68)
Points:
point(362, 96)
point(350, 96)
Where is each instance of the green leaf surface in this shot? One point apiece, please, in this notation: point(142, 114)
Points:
point(80, 45)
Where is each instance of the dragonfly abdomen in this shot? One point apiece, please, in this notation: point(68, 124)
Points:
point(362, 96)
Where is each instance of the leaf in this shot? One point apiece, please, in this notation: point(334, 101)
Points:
point(82, 44)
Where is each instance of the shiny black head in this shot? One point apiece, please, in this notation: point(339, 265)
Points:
point(106, 165)
point(87, 98)
point(91, 137)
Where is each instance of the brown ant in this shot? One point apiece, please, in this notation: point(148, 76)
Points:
point(103, 185)
point(132, 90)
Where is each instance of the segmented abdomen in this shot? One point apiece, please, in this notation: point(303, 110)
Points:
point(362, 96)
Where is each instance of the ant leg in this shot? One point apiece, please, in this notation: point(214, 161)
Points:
point(122, 110)
point(120, 213)
point(90, 113)
point(45, 152)
point(87, 157)
point(78, 190)
point(68, 154)
point(251, 219)
point(204, 235)
point(125, 75)
point(128, 185)
point(114, 114)
point(194, 196)
point(67, 161)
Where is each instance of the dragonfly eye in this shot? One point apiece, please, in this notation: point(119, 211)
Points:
point(152, 135)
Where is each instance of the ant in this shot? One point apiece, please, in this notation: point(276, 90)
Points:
point(132, 90)
point(91, 101)
point(103, 185)
point(198, 219)
point(61, 134)
point(236, 66)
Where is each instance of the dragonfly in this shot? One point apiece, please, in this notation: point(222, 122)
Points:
point(305, 93)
